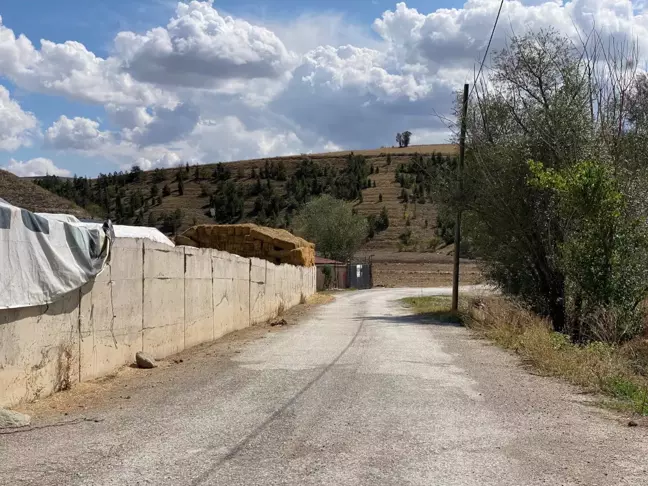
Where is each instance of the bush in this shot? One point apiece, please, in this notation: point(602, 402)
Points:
point(406, 237)
point(382, 222)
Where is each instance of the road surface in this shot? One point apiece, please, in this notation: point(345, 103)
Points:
point(358, 393)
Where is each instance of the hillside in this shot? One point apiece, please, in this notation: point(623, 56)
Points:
point(27, 195)
point(271, 191)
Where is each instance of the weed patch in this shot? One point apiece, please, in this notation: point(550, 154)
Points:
point(435, 308)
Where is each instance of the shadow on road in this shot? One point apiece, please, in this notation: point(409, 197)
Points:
point(444, 319)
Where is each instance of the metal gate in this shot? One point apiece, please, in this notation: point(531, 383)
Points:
point(360, 275)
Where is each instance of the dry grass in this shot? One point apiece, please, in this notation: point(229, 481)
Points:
point(27, 195)
point(436, 308)
point(619, 372)
point(444, 148)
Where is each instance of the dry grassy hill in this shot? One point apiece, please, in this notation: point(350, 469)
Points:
point(25, 194)
point(420, 262)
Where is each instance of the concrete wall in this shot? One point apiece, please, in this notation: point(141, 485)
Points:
point(151, 297)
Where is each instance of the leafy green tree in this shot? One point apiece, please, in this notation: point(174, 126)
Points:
point(152, 220)
point(382, 221)
point(181, 187)
point(281, 174)
point(405, 138)
point(542, 103)
point(332, 226)
point(136, 174)
point(158, 176)
point(166, 190)
point(604, 253)
point(227, 202)
point(154, 191)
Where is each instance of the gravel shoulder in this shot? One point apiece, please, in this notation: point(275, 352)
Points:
point(357, 391)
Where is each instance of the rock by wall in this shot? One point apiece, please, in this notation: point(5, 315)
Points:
point(151, 298)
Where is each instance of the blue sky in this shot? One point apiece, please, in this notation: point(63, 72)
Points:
point(105, 91)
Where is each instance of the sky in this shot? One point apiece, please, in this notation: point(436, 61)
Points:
point(96, 86)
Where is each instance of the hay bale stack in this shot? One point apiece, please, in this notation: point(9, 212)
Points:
point(249, 240)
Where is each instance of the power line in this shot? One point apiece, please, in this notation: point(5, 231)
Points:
point(481, 67)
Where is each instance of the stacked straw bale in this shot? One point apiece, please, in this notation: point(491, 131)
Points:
point(249, 240)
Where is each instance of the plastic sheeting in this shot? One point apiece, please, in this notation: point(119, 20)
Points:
point(122, 231)
point(43, 258)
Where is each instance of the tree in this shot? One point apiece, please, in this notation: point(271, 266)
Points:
point(371, 225)
point(399, 139)
point(382, 222)
point(173, 221)
point(181, 187)
point(197, 173)
point(380, 197)
point(389, 158)
point(405, 138)
point(152, 220)
point(281, 171)
point(187, 167)
point(332, 226)
point(136, 174)
point(166, 190)
point(603, 252)
point(556, 103)
point(158, 176)
point(154, 191)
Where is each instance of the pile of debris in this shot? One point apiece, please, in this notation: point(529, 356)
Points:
point(249, 240)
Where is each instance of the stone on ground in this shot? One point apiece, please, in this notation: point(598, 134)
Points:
point(9, 418)
point(143, 360)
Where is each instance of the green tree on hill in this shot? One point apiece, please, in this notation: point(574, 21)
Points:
point(331, 224)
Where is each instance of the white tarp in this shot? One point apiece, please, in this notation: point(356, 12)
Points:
point(43, 258)
point(122, 231)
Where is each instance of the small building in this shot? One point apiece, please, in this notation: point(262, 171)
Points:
point(331, 274)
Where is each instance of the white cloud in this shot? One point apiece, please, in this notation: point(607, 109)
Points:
point(166, 125)
point(70, 70)
point(36, 167)
point(17, 128)
point(76, 133)
point(457, 37)
point(209, 87)
point(128, 116)
point(312, 30)
point(200, 48)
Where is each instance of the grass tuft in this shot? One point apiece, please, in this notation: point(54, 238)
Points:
point(435, 308)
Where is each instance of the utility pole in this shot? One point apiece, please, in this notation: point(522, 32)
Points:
point(457, 233)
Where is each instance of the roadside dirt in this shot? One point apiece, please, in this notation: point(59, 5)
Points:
point(423, 274)
point(84, 398)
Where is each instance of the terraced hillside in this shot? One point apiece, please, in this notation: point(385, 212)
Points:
point(269, 191)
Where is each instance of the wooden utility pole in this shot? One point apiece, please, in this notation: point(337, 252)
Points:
point(457, 233)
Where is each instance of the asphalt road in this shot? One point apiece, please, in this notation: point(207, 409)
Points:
point(357, 393)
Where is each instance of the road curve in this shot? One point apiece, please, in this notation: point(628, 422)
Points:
point(358, 393)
